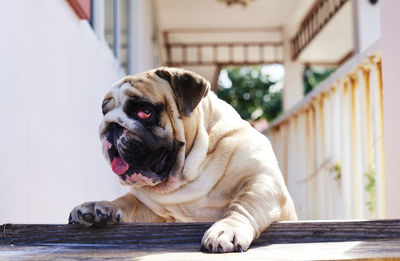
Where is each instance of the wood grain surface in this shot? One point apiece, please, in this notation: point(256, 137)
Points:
point(191, 233)
point(320, 240)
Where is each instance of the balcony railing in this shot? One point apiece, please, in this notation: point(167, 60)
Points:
point(330, 146)
point(317, 18)
point(222, 46)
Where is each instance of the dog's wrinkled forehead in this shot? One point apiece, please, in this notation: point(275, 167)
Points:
point(122, 94)
point(180, 89)
point(135, 86)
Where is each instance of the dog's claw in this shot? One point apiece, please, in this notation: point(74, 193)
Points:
point(99, 213)
point(239, 248)
point(95, 214)
point(80, 215)
point(88, 217)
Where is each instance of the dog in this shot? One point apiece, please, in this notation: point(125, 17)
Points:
point(187, 157)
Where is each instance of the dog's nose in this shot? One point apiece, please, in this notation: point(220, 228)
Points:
point(115, 127)
point(114, 131)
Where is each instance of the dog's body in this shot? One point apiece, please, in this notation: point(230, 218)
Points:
point(192, 159)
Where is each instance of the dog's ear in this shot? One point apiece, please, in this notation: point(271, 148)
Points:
point(189, 87)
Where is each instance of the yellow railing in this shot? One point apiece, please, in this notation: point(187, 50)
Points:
point(330, 146)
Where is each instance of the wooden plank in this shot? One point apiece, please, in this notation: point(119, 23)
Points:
point(155, 234)
point(123, 234)
point(380, 240)
point(355, 250)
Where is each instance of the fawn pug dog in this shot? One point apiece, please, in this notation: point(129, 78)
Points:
point(187, 157)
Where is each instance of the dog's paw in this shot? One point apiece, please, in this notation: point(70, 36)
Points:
point(227, 236)
point(96, 214)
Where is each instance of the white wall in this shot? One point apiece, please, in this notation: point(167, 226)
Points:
point(293, 84)
point(390, 43)
point(142, 55)
point(366, 24)
point(54, 73)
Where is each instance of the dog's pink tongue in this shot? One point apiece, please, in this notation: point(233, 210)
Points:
point(119, 166)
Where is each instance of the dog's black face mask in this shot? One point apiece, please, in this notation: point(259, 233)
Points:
point(137, 155)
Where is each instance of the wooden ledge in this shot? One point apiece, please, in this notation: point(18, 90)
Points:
point(379, 238)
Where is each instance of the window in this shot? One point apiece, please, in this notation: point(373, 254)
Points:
point(113, 27)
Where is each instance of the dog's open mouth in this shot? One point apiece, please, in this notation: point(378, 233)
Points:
point(134, 161)
point(128, 173)
point(119, 166)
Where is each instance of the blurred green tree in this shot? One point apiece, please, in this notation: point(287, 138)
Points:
point(313, 75)
point(250, 93)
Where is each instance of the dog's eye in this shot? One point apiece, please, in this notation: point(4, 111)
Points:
point(107, 105)
point(144, 114)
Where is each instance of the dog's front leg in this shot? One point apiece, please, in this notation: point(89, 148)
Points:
point(257, 204)
point(122, 210)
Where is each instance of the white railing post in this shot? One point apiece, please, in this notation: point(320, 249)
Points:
point(345, 154)
point(378, 143)
point(357, 147)
point(331, 144)
point(336, 137)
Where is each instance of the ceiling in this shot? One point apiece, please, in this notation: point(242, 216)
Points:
point(214, 13)
point(333, 43)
